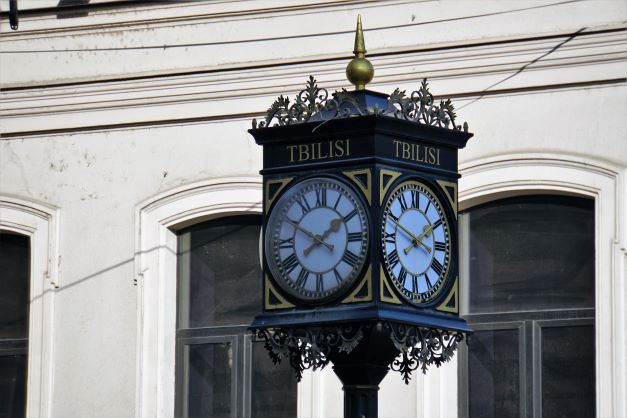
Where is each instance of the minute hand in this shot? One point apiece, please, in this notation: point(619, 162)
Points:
point(415, 238)
point(309, 234)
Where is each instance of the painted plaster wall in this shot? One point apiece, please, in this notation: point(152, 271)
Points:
point(82, 134)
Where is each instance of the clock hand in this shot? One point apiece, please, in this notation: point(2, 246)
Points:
point(333, 227)
point(309, 234)
point(413, 237)
point(418, 241)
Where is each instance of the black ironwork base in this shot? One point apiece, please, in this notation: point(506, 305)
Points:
point(361, 401)
point(362, 354)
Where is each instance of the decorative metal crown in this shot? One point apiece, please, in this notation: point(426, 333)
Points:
point(314, 104)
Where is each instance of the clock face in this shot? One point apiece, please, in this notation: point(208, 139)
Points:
point(416, 242)
point(317, 239)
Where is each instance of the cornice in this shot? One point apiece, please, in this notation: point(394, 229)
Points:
point(456, 71)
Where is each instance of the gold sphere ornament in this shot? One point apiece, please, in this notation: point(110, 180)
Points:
point(359, 71)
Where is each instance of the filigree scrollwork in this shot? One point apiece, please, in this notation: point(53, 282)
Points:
point(314, 104)
point(421, 347)
point(309, 348)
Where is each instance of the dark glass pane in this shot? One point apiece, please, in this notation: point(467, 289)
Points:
point(493, 370)
point(568, 372)
point(209, 380)
point(273, 392)
point(219, 273)
point(532, 252)
point(14, 285)
point(13, 386)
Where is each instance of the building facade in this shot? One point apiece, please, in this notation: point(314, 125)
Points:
point(130, 201)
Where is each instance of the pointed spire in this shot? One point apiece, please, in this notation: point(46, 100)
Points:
point(360, 44)
point(359, 71)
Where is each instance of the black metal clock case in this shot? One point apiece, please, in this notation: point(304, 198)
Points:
point(372, 154)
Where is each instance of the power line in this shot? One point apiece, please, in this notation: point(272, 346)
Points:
point(276, 38)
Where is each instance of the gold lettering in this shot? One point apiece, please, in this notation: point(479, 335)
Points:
point(396, 144)
point(303, 153)
point(416, 152)
point(339, 150)
point(320, 155)
point(291, 148)
point(406, 154)
point(348, 152)
point(432, 159)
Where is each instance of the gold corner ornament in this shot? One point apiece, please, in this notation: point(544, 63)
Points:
point(365, 283)
point(363, 180)
point(451, 303)
point(386, 292)
point(281, 302)
point(272, 190)
point(450, 191)
point(386, 178)
point(359, 70)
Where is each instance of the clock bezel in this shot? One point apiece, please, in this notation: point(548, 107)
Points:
point(449, 217)
point(356, 273)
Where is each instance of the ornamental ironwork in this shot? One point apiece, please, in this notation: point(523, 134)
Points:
point(309, 348)
point(421, 347)
point(314, 104)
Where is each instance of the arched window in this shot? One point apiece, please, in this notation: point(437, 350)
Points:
point(528, 265)
point(14, 314)
point(220, 372)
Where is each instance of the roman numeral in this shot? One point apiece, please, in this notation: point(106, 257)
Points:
point(389, 238)
point(302, 278)
point(414, 283)
point(286, 243)
point(350, 258)
point(321, 197)
point(354, 236)
point(337, 202)
point(403, 202)
point(428, 204)
point(290, 263)
point(338, 277)
point(437, 223)
point(415, 199)
point(350, 215)
point(429, 284)
point(402, 276)
point(440, 246)
point(393, 258)
point(319, 283)
point(436, 266)
point(304, 205)
point(391, 215)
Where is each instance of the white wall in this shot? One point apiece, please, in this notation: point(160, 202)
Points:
point(94, 134)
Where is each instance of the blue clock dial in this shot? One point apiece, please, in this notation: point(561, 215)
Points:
point(416, 242)
point(317, 239)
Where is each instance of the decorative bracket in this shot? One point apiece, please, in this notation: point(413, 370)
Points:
point(311, 347)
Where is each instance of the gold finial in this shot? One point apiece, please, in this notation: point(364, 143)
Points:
point(359, 71)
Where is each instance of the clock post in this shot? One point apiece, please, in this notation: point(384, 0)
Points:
point(360, 259)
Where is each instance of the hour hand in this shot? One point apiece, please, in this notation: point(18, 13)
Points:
point(426, 231)
point(333, 227)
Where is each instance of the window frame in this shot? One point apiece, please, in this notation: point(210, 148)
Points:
point(157, 221)
point(495, 178)
point(40, 223)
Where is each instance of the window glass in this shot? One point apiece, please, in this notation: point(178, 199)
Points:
point(530, 253)
point(568, 372)
point(494, 395)
point(14, 285)
point(267, 401)
point(209, 380)
point(529, 260)
point(219, 372)
point(222, 281)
